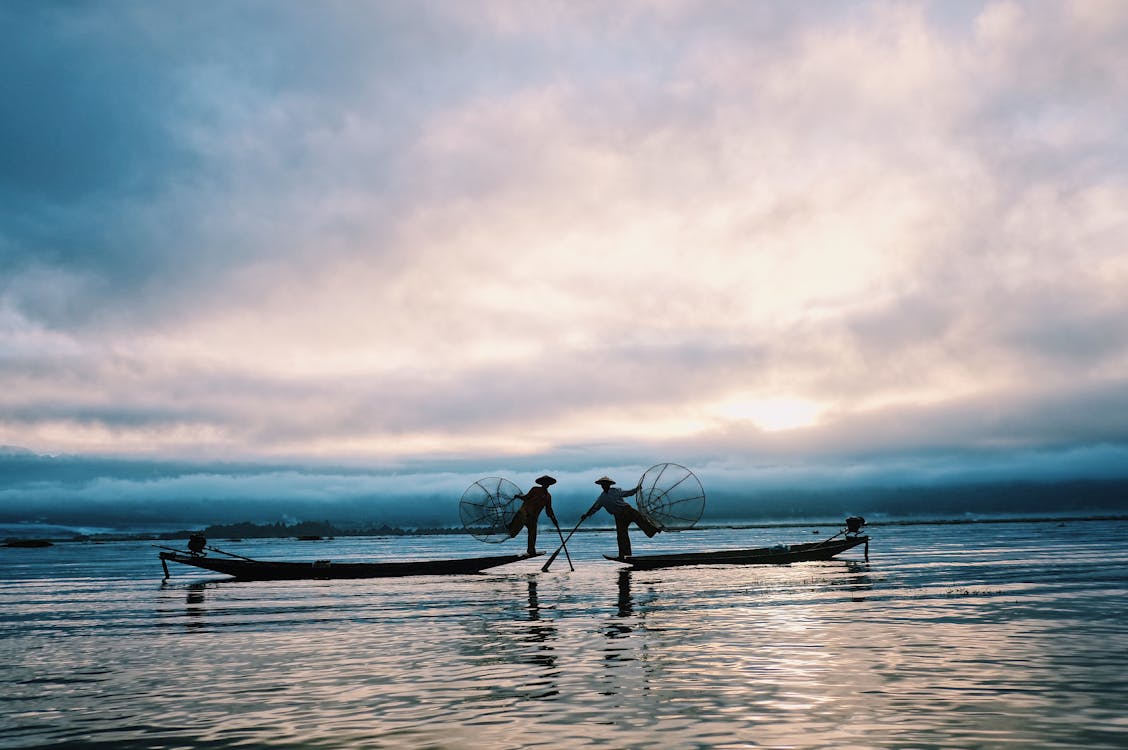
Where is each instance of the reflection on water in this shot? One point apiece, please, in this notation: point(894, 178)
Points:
point(856, 581)
point(1011, 635)
point(540, 636)
point(616, 627)
point(626, 603)
point(195, 609)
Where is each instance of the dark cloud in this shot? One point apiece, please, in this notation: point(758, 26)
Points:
point(90, 108)
point(149, 154)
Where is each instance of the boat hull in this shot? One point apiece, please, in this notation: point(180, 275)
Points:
point(783, 555)
point(263, 570)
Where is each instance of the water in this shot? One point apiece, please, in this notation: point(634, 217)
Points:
point(969, 636)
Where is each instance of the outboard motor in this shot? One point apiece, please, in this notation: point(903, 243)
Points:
point(196, 544)
point(854, 524)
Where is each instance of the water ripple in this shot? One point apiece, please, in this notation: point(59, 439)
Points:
point(970, 636)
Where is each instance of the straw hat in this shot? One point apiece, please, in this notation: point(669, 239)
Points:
point(606, 479)
point(546, 481)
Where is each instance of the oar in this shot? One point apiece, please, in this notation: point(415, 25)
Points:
point(552, 559)
point(561, 533)
point(230, 554)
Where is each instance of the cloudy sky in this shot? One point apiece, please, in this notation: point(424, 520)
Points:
point(404, 244)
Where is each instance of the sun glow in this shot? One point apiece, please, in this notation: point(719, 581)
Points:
point(772, 414)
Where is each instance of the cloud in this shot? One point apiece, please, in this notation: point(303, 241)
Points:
point(418, 235)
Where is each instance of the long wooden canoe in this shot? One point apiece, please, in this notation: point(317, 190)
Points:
point(782, 554)
point(262, 570)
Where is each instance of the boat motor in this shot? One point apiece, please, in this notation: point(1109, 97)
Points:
point(854, 524)
point(196, 544)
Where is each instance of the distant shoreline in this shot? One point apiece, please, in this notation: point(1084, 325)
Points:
point(325, 530)
point(920, 521)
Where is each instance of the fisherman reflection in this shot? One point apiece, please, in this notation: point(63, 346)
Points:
point(542, 630)
point(626, 668)
point(541, 634)
point(626, 601)
point(625, 610)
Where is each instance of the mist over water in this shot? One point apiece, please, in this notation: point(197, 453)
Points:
point(969, 636)
point(67, 495)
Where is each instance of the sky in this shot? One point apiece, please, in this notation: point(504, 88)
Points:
point(364, 253)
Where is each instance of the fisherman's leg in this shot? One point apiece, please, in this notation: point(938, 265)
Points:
point(644, 523)
point(515, 523)
point(622, 525)
point(532, 527)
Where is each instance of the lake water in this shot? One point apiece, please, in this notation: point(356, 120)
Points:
point(951, 636)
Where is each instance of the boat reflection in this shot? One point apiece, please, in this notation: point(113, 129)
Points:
point(195, 607)
point(195, 613)
point(856, 580)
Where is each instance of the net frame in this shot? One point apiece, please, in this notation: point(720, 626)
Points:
point(486, 508)
point(671, 497)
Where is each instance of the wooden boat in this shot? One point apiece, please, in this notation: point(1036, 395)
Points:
point(781, 554)
point(246, 569)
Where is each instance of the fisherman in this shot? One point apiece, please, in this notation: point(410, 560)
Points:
point(611, 500)
point(538, 498)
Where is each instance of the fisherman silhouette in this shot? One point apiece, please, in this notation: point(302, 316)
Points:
point(538, 498)
point(611, 500)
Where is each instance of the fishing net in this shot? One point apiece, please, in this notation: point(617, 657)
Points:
point(487, 507)
point(671, 496)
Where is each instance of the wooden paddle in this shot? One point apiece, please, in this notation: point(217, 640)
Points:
point(552, 559)
point(561, 533)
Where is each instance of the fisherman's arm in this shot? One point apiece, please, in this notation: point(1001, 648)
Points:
point(595, 506)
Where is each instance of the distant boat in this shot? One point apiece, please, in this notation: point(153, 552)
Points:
point(28, 543)
point(780, 554)
point(246, 569)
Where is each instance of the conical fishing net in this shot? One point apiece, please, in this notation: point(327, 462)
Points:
point(671, 496)
point(487, 507)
